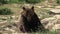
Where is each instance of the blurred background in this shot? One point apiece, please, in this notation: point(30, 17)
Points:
point(47, 10)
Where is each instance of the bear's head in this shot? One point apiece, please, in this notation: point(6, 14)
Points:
point(28, 12)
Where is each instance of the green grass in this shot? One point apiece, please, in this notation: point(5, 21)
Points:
point(42, 13)
point(11, 1)
point(5, 11)
point(20, 1)
point(16, 1)
point(58, 1)
point(34, 1)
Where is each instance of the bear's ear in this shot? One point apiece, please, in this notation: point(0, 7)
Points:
point(32, 8)
point(23, 8)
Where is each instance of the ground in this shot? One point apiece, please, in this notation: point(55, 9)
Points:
point(41, 10)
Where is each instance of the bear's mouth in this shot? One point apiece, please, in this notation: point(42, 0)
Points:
point(28, 18)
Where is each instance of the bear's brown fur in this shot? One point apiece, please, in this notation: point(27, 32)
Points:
point(29, 21)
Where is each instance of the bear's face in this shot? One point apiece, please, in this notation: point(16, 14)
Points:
point(28, 12)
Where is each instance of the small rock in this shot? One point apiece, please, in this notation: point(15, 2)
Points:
point(46, 20)
point(57, 7)
point(39, 6)
point(52, 23)
point(8, 29)
point(57, 16)
point(57, 11)
point(56, 27)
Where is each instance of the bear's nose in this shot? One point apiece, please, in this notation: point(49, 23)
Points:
point(29, 18)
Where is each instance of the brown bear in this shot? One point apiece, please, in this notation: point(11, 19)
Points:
point(29, 21)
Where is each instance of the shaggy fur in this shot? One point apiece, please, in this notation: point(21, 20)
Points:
point(29, 21)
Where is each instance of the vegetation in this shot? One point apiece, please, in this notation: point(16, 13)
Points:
point(19, 1)
point(3, 1)
point(5, 11)
point(33, 1)
point(11, 1)
point(58, 1)
point(23, 1)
